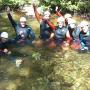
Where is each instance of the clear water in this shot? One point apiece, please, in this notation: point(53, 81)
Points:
point(43, 68)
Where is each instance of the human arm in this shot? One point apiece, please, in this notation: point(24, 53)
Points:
point(57, 12)
point(51, 25)
point(37, 15)
point(11, 18)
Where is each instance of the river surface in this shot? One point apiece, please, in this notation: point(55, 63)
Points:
point(43, 68)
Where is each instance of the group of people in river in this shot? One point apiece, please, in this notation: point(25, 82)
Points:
point(66, 34)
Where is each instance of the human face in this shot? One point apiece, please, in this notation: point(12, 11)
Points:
point(4, 39)
point(85, 29)
point(46, 16)
point(60, 24)
point(23, 23)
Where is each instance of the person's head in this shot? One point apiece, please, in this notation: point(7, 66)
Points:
point(71, 23)
point(4, 36)
point(23, 21)
point(84, 26)
point(46, 15)
point(61, 22)
point(67, 16)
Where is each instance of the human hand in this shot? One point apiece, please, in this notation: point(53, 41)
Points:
point(47, 40)
point(5, 50)
point(8, 10)
point(9, 52)
point(33, 2)
point(56, 8)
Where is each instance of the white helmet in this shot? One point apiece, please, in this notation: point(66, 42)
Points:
point(67, 16)
point(4, 35)
point(61, 19)
point(47, 13)
point(83, 24)
point(23, 19)
point(71, 21)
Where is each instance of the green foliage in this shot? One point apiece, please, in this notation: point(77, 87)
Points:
point(36, 55)
point(65, 5)
point(71, 5)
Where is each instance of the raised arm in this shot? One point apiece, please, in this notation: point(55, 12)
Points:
point(57, 12)
point(11, 19)
point(38, 16)
point(50, 25)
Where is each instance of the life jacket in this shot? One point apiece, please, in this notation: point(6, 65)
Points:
point(75, 43)
point(60, 33)
point(85, 38)
point(75, 34)
point(45, 30)
point(20, 30)
point(24, 32)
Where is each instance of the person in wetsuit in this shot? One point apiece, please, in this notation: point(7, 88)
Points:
point(24, 33)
